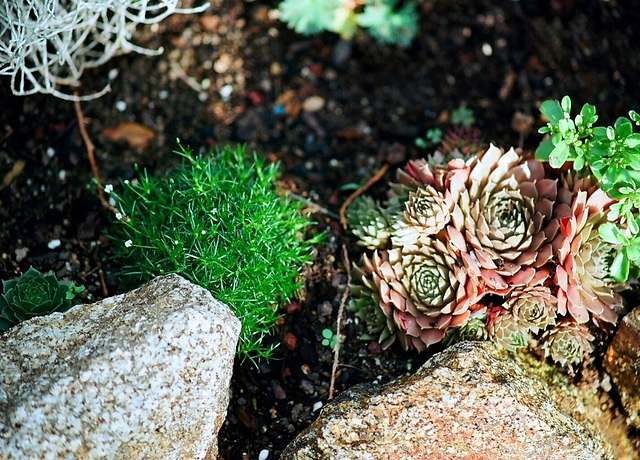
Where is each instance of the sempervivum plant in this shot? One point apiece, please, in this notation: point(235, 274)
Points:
point(489, 247)
point(34, 294)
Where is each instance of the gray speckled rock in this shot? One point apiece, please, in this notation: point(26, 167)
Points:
point(140, 375)
point(469, 402)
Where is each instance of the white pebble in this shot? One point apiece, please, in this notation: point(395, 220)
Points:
point(263, 455)
point(317, 406)
point(51, 152)
point(21, 253)
point(313, 104)
point(486, 49)
point(54, 244)
point(121, 106)
point(225, 92)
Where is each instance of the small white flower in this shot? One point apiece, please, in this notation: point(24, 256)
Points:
point(126, 181)
point(128, 243)
point(108, 188)
point(203, 232)
point(118, 216)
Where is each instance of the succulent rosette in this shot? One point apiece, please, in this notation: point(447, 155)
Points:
point(585, 287)
point(428, 209)
point(567, 342)
point(367, 304)
point(34, 294)
point(475, 329)
point(387, 292)
point(369, 222)
point(534, 307)
point(505, 329)
point(503, 209)
point(437, 291)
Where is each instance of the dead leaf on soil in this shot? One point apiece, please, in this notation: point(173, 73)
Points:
point(290, 103)
point(17, 168)
point(136, 135)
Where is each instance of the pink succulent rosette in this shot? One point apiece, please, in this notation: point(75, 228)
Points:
point(503, 210)
point(505, 330)
point(585, 288)
point(567, 342)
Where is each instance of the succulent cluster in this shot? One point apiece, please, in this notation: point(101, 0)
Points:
point(487, 248)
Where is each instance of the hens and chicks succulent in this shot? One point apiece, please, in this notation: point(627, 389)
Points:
point(487, 247)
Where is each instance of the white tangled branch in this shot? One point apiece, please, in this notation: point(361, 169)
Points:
point(45, 44)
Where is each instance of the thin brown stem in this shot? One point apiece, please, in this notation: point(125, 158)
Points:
point(343, 301)
point(360, 191)
point(90, 154)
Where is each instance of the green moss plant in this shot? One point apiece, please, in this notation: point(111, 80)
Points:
point(34, 294)
point(218, 221)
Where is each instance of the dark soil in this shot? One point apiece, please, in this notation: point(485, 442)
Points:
point(497, 58)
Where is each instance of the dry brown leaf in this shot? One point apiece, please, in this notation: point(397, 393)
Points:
point(18, 166)
point(291, 103)
point(136, 135)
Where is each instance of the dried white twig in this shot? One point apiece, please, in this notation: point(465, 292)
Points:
point(48, 43)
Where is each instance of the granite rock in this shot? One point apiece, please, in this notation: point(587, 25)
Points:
point(471, 401)
point(140, 375)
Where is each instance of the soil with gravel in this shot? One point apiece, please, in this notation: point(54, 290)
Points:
point(333, 113)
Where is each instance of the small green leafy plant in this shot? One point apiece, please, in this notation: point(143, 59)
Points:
point(34, 294)
point(218, 221)
point(463, 116)
point(460, 140)
point(388, 21)
point(329, 339)
point(612, 154)
point(432, 137)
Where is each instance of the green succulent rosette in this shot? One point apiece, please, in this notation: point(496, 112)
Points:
point(34, 294)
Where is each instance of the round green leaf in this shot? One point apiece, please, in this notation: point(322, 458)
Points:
point(620, 267)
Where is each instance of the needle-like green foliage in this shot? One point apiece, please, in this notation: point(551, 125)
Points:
point(218, 221)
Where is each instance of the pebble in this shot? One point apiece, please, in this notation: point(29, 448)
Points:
point(325, 308)
point(263, 455)
point(313, 104)
point(317, 406)
point(225, 92)
point(54, 244)
point(307, 387)
point(21, 253)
